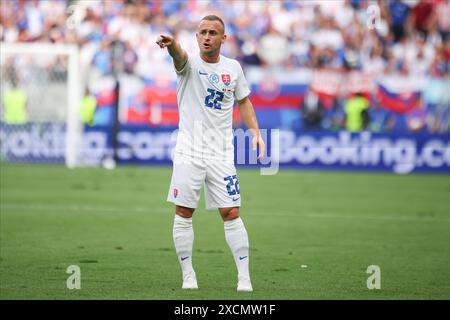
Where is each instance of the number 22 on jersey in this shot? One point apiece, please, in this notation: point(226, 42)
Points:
point(213, 99)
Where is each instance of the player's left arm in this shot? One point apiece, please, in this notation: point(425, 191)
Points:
point(247, 112)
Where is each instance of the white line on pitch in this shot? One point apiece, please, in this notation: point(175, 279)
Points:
point(164, 210)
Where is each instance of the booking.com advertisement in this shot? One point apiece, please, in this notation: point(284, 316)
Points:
point(364, 151)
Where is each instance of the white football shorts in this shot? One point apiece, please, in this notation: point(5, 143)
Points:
point(190, 174)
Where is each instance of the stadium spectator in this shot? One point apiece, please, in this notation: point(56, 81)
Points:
point(334, 118)
point(422, 17)
point(374, 64)
point(15, 102)
point(417, 119)
point(88, 106)
point(442, 12)
point(102, 60)
point(130, 58)
point(379, 118)
point(273, 47)
point(399, 12)
point(356, 113)
point(312, 112)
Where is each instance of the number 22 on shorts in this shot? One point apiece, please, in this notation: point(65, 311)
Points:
point(233, 185)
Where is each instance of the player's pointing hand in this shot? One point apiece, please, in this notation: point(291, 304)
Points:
point(164, 41)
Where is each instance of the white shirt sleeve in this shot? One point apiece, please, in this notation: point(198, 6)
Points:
point(186, 67)
point(242, 90)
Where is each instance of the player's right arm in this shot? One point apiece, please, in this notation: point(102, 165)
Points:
point(177, 53)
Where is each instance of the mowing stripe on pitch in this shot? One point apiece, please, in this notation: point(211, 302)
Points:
point(165, 210)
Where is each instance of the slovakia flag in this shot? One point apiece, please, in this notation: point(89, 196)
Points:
point(401, 102)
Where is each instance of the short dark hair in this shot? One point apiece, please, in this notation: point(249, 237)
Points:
point(213, 17)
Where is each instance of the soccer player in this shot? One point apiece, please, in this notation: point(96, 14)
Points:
point(208, 83)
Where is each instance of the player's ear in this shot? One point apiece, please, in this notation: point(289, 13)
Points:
point(224, 37)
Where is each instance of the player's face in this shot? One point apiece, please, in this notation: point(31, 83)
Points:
point(210, 36)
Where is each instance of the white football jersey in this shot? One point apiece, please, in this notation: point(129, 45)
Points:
point(206, 94)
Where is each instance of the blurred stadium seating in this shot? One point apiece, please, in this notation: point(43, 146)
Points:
point(402, 65)
point(306, 61)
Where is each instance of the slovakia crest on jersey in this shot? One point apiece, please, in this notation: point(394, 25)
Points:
point(226, 79)
point(214, 78)
point(175, 192)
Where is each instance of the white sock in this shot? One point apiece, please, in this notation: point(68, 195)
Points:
point(183, 238)
point(237, 239)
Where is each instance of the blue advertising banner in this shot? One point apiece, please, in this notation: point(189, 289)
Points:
point(32, 142)
point(367, 151)
point(398, 153)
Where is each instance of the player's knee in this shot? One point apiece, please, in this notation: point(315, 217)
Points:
point(229, 213)
point(184, 211)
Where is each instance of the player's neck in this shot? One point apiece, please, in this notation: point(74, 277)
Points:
point(210, 59)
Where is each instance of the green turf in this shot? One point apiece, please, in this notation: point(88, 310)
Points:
point(117, 226)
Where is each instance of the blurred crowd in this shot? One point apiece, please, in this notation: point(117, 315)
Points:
point(406, 37)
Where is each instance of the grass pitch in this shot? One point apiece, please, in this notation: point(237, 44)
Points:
point(312, 235)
